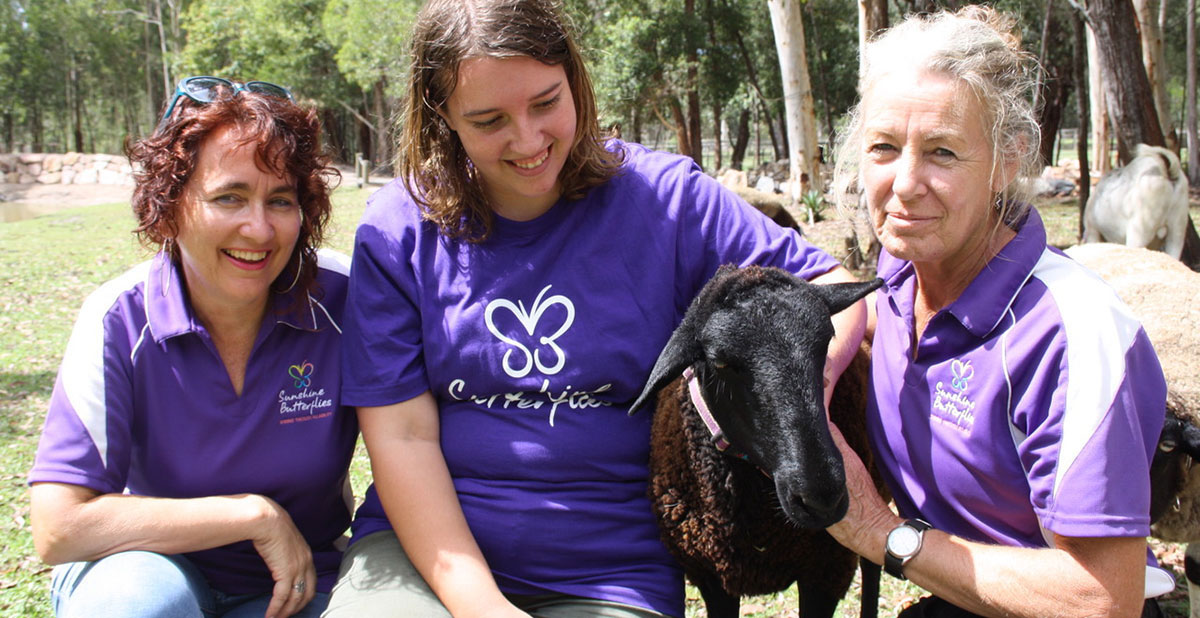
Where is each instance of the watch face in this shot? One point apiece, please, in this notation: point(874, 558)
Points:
point(903, 541)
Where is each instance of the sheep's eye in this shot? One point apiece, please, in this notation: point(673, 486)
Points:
point(1166, 446)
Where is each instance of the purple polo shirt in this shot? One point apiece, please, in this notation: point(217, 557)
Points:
point(534, 343)
point(1034, 401)
point(143, 405)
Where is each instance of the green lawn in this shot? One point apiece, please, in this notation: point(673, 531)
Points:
point(51, 263)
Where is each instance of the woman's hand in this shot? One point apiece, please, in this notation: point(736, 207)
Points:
point(868, 520)
point(288, 557)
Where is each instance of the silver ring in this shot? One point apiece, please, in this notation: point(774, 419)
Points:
point(299, 587)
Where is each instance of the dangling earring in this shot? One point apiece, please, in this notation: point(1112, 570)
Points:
point(164, 279)
point(299, 267)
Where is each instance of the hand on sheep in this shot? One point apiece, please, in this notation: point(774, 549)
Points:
point(868, 520)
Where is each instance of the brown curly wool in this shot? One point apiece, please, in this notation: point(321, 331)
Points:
point(720, 515)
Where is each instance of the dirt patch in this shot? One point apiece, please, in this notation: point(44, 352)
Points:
point(18, 202)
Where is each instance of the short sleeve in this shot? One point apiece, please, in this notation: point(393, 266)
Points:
point(86, 437)
point(381, 346)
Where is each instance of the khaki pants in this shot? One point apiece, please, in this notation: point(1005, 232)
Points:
point(377, 579)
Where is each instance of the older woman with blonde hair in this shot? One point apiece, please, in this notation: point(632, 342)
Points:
point(1015, 402)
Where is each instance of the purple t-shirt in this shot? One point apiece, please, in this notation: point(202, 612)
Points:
point(1034, 402)
point(143, 405)
point(534, 343)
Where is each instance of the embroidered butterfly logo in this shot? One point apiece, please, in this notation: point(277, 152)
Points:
point(962, 372)
point(302, 374)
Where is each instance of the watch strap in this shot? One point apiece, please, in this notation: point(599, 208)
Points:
point(893, 564)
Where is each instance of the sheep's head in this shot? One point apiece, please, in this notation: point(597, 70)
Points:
point(1178, 448)
point(756, 339)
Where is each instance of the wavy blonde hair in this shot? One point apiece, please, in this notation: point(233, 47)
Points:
point(431, 159)
point(976, 46)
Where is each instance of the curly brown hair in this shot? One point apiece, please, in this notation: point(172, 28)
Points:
point(287, 141)
point(431, 159)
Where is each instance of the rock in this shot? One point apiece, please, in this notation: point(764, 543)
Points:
point(53, 163)
point(87, 177)
point(71, 158)
point(49, 178)
point(765, 184)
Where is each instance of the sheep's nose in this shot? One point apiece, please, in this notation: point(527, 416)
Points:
point(812, 503)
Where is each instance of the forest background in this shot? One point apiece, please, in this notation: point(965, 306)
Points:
point(700, 77)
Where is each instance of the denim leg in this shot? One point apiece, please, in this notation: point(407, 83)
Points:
point(255, 606)
point(135, 584)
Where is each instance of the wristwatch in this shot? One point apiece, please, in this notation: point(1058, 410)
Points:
point(903, 544)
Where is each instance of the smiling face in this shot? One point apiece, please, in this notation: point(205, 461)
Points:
point(927, 170)
point(238, 227)
point(515, 118)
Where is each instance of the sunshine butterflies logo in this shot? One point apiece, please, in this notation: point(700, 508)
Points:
point(962, 372)
point(548, 360)
point(302, 374)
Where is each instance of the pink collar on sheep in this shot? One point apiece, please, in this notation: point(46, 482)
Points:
point(718, 436)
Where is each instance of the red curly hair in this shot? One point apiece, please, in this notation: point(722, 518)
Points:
point(287, 141)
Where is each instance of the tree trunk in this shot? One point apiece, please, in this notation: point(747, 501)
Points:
point(1155, 63)
point(1193, 137)
point(872, 17)
point(1054, 96)
point(693, 94)
point(788, 25)
point(1127, 90)
point(827, 113)
point(717, 156)
point(679, 124)
point(1082, 96)
point(1102, 157)
point(383, 154)
point(741, 140)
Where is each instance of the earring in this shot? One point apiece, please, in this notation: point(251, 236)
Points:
point(164, 279)
point(299, 267)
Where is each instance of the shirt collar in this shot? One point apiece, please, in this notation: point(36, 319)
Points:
point(170, 314)
point(988, 297)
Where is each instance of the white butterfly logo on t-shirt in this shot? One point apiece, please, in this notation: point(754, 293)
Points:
point(529, 322)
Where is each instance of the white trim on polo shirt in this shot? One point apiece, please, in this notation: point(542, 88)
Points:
point(82, 370)
point(1099, 332)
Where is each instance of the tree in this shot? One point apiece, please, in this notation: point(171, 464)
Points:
point(367, 35)
point(788, 24)
point(1150, 26)
point(1193, 143)
point(1127, 89)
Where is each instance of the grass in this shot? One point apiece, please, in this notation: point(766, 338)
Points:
point(51, 263)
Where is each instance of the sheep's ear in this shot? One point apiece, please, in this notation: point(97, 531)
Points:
point(838, 296)
point(681, 351)
point(1191, 440)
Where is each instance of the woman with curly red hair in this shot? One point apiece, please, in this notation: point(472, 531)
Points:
point(195, 455)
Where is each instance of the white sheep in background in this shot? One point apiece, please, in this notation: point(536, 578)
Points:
point(1165, 296)
point(1144, 204)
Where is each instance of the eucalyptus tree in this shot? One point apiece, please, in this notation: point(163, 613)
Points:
point(371, 42)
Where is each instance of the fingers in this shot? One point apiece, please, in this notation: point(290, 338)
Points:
point(287, 600)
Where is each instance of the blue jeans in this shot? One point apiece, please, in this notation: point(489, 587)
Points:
point(146, 584)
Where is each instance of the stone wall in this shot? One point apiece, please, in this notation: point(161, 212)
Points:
point(70, 168)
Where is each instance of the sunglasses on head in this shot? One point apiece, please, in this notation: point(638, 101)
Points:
point(205, 89)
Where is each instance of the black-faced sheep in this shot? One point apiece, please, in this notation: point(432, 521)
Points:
point(1144, 204)
point(743, 507)
point(1165, 296)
